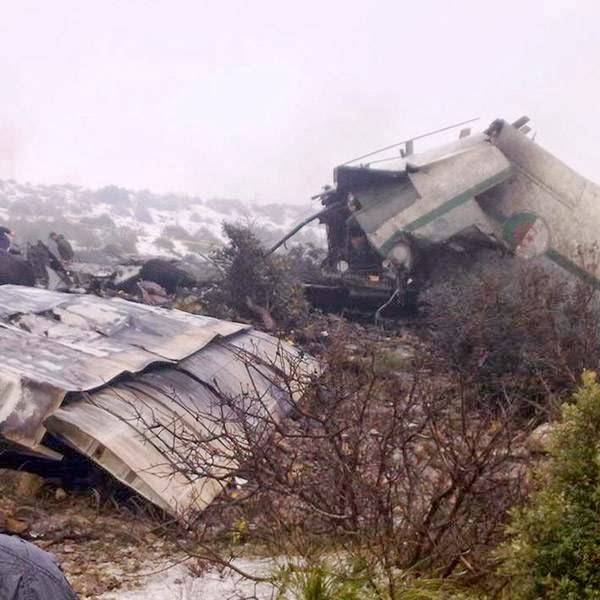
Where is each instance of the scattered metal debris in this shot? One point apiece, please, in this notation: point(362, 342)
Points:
point(97, 372)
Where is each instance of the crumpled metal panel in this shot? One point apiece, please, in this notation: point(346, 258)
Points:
point(231, 375)
point(160, 432)
point(129, 433)
point(269, 350)
point(278, 356)
point(14, 299)
point(446, 186)
point(72, 363)
point(61, 343)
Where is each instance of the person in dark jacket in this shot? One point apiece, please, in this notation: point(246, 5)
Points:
point(38, 256)
point(15, 270)
point(5, 242)
point(65, 250)
point(28, 573)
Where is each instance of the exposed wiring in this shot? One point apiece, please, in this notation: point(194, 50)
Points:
point(386, 304)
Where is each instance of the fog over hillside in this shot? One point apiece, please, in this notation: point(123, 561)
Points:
point(116, 220)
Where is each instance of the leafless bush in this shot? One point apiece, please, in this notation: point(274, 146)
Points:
point(395, 475)
point(516, 330)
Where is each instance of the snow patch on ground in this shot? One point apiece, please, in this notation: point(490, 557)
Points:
point(178, 583)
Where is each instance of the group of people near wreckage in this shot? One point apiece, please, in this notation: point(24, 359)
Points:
point(40, 257)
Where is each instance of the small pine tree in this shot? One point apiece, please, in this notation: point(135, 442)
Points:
point(554, 547)
point(252, 279)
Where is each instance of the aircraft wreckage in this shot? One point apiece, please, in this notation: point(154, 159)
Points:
point(386, 228)
point(83, 369)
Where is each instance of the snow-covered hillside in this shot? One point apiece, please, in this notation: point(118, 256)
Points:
point(141, 222)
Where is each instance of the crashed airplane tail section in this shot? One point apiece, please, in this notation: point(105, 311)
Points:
point(438, 197)
point(496, 189)
point(131, 386)
point(546, 209)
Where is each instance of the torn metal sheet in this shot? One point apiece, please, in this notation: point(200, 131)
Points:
point(445, 187)
point(130, 433)
point(73, 364)
point(53, 343)
point(143, 430)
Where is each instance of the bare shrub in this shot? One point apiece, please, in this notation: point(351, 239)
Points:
point(515, 330)
point(396, 476)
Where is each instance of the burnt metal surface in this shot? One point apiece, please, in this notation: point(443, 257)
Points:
point(52, 344)
point(140, 430)
point(78, 366)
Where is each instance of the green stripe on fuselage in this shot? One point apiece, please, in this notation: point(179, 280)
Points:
point(444, 208)
point(551, 254)
point(453, 203)
point(568, 265)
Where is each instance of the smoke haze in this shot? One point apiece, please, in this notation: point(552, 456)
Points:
point(259, 100)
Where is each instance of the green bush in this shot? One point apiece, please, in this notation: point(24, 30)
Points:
point(254, 286)
point(322, 583)
point(554, 549)
point(319, 584)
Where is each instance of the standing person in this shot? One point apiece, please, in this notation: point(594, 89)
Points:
point(65, 250)
point(5, 241)
point(29, 573)
point(38, 256)
point(49, 259)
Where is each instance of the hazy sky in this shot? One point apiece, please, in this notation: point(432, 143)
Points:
point(260, 99)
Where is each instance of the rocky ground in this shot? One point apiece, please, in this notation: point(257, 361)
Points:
point(100, 546)
point(111, 549)
point(178, 582)
point(111, 552)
